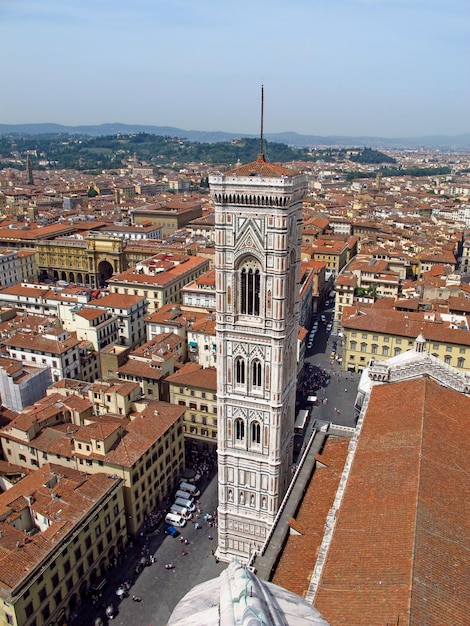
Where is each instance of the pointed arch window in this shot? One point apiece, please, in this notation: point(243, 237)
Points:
point(239, 429)
point(256, 373)
point(240, 371)
point(250, 283)
point(255, 433)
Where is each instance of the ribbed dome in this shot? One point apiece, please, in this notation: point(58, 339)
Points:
point(239, 598)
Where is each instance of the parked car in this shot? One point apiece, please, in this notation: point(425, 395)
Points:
point(329, 326)
point(191, 489)
point(173, 519)
point(172, 531)
point(310, 344)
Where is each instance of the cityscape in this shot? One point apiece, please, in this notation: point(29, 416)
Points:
point(220, 374)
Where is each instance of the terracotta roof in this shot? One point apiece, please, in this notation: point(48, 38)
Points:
point(401, 545)
point(194, 375)
point(77, 495)
point(117, 301)
point(38, 343)
point(295, 566)
point(403, 324)
point(261, 167)
point(140, 369)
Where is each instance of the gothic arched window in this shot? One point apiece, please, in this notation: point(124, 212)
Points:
point(239, 371)
point(255, 433)
point(239, 429)
point(250, 287)
point(256, 373)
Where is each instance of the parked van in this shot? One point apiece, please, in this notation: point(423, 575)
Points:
point(187, 504)
point(185, 495)
point(180, 510)
point(192, 489)
point(175, 520)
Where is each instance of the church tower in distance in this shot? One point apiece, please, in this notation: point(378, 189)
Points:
point(258, 225)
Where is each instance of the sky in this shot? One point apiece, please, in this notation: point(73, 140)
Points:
point(383, 68)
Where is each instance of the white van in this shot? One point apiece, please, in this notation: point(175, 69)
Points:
point(192, 489)
point(180, 510)
point(187, 504)
point(175, 520)
point(185, 495)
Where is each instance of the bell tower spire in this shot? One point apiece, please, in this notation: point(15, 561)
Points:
point(261, 156)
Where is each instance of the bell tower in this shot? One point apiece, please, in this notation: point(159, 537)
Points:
point(258, 220)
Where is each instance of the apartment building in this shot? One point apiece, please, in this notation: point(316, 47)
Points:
point(152, 362)
point(59, 531)
point(332, 252)
point(147, 451)
point(376, 331)
point(27, 266)
point(53, 348)
point(130, 311)
point(114, 397)
point(429, 258)
point(202, 347)
point(96, 325)
point(195, 388)
point(9, 268)
point(175, 214)
point(200, 293)
point(21, 384)
point(375, 278)
point(159, 279)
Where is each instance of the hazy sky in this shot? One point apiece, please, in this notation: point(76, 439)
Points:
point(386, 68)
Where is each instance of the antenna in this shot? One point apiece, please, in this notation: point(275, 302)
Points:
point(261, 141)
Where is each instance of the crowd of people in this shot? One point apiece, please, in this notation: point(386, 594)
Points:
point(312, 379)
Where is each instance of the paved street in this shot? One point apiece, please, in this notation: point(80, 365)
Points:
point(341, 391)
point(159, 588)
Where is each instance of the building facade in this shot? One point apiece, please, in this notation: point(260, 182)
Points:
point(258, 239)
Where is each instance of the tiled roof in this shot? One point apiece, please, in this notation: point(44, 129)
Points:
point(38, 343)
point(403, 324)
point(298, 558)
point(140, 369)
point(117, 301)
point(261, 167)
point(401, 545)
point(77, 495)
point(194, 375)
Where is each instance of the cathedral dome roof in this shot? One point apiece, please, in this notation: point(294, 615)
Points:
point(239, 598)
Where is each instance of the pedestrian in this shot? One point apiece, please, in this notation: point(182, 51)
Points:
point(137, 598)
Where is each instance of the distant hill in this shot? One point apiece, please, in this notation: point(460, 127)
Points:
point(442, 142)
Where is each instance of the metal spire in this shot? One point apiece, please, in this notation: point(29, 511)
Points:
point(261, 140)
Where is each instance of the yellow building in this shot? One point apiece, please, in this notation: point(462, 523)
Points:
point(195, 388)
point(89, 261)
point(160, 278)
point(59, 531)
point(147, 450)
point(374, 333)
